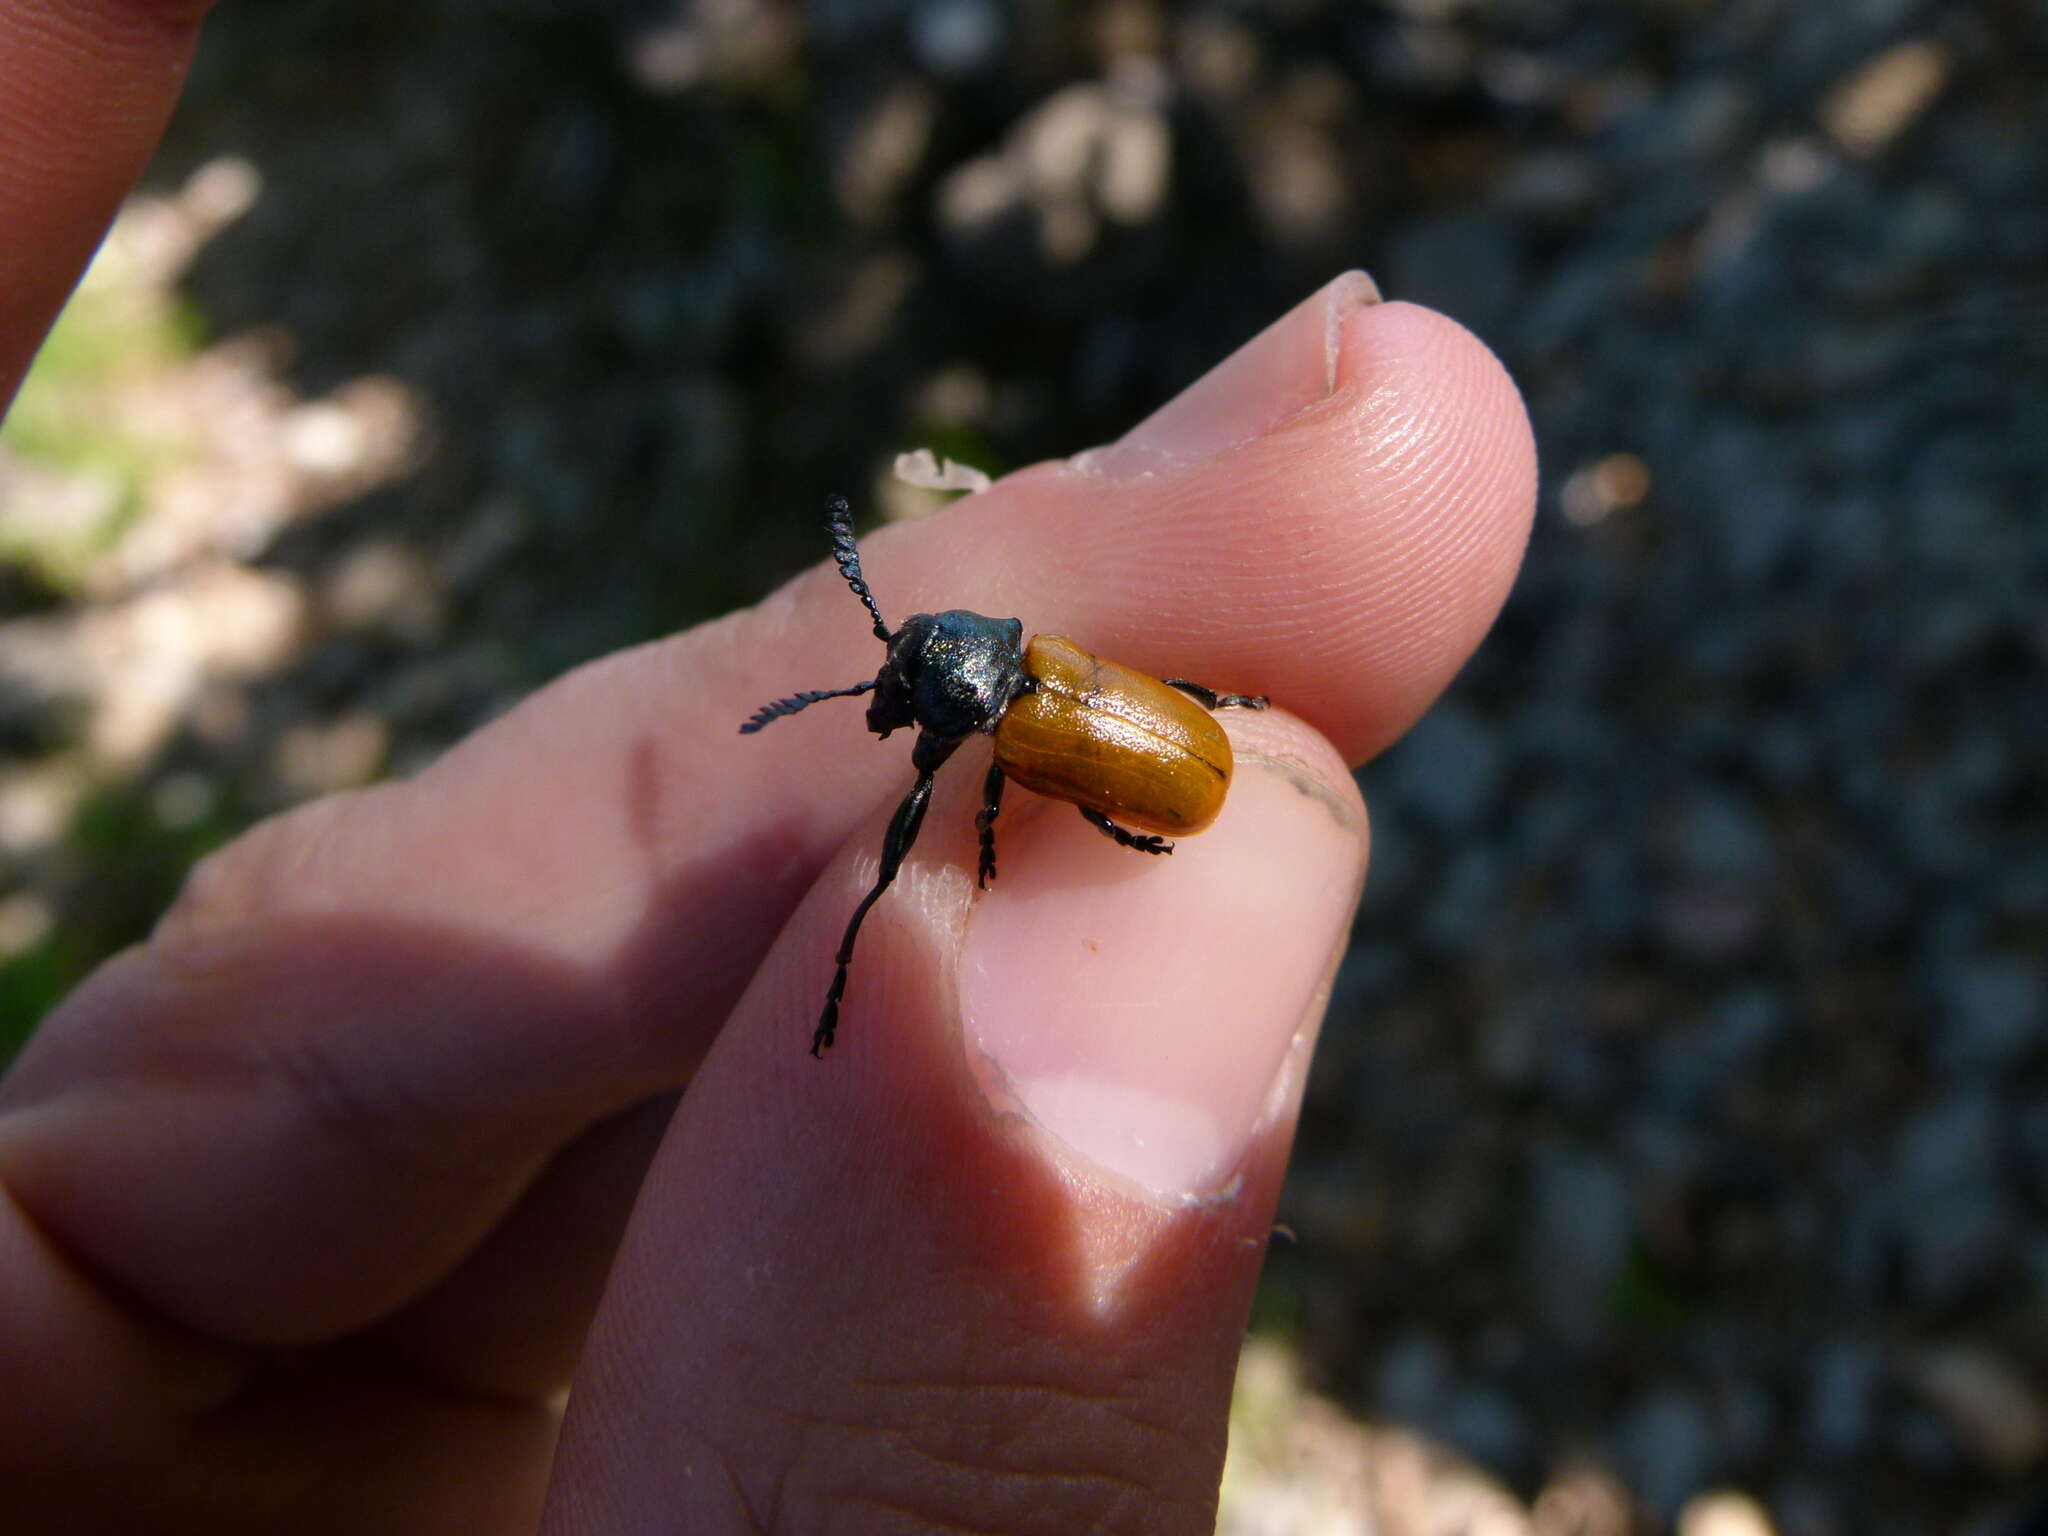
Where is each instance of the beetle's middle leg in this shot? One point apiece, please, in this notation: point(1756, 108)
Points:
point(1144, 842)
point(985, 823)
point(1209, 698)
point(926, 757)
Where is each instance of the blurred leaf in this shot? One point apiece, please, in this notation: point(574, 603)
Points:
point(62, 422)
point(31, 984)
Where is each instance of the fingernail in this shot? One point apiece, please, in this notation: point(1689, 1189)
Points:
point(1286, 368)
point(1143, 1010)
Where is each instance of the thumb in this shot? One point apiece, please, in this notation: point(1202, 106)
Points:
point(988, 1265)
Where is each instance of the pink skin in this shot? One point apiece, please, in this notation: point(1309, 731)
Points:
point(315, 1202)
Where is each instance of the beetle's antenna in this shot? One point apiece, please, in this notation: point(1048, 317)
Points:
point(839, 518)
point(795, 702)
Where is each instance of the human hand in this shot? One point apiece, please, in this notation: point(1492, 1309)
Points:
point(315, 1202)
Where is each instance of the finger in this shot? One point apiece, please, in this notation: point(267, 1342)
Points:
point(85, 90)
point(988, 1266)
point(509, 1320)
point(367, 1028)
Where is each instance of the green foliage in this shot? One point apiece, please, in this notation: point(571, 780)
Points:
point(1278, 1305)
point(32, 982)
point(1645, 1297)
point(60, 422)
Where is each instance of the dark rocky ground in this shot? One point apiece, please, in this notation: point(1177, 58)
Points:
point(1684, 1107)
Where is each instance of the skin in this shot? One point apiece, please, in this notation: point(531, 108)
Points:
point(424, 1101)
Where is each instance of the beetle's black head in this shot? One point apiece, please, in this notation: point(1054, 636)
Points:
point(951, 673)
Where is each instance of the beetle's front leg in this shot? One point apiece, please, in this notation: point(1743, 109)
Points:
point(926, 758)
point(1209, 698)
point(1144, 842)
point(985, 823)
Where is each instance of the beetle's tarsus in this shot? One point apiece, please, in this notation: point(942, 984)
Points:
point(1209, 698)
point(839, 518)
point(985, 824)
point(797, 701)
point(1144, 842)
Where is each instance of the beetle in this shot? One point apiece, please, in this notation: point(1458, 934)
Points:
point(1128, 749)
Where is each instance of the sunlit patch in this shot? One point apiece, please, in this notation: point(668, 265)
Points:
point(1609, 485)
point(144, 474)
point(1088, 158)
point(149, 473)
point(1883, 98)
point(25, 920)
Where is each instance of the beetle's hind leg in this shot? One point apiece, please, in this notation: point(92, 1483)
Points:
point(985, 823)
point(1209, 698)
point(1144, 842)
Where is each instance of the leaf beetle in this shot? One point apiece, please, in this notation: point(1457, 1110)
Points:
point(1129, 750)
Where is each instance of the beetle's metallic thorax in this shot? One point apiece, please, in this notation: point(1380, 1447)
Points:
point(951, 673)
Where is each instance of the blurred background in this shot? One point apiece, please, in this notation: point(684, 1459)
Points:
point(1677, 1158)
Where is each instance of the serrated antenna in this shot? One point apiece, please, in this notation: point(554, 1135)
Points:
point(797, 701)
point(839, 518)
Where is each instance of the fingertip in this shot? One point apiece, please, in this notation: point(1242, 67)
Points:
point(1442, 455)
point(1448, 427)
